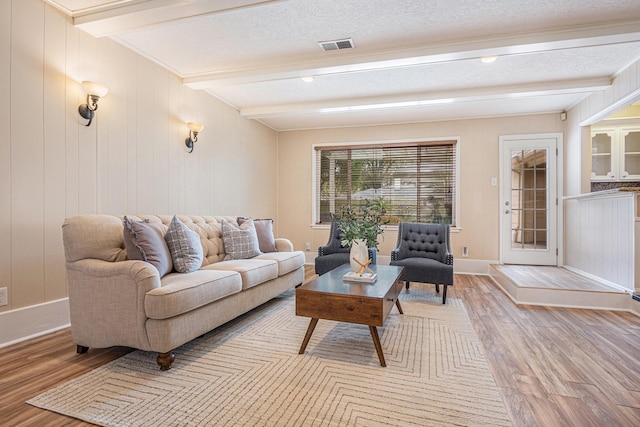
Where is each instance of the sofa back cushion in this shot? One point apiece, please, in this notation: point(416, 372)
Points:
point(101, 236)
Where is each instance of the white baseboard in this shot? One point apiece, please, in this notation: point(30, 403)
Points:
point(33, 321)
point(472, 266)
point(598, 279)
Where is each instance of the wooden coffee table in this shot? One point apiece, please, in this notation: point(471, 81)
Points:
point(329, 297)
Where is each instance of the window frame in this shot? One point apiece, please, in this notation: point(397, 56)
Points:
point(315, 149)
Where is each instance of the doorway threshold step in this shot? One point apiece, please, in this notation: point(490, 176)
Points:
point(557, 287)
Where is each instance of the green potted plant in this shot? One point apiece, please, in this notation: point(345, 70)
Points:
point(362, 225)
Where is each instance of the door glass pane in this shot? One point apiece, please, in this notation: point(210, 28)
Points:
point(529, 199)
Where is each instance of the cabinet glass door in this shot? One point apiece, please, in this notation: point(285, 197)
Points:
point(631, 165)
point(601, 157)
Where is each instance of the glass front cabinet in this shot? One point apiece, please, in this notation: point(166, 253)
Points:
point(615, 154)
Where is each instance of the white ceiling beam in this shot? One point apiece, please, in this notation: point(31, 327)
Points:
point(349, 62)
point(443, 97)
point(122, 16)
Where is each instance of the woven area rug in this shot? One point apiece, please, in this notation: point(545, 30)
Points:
point(249, 373)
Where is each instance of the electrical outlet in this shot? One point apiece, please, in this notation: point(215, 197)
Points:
point(465, 251)
point(307, 246)
point(4, 300)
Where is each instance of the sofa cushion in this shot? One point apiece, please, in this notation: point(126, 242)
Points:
point(253, 271)
point(180, 293)
point(184, 245)
point(287, 261)
point(240, 242)
point(264, 230)
point(144, 241)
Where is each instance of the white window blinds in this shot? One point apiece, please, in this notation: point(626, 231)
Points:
point(417, 182)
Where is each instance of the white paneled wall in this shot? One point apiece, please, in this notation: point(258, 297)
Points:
point(130, 160)
point(624, 90)
point(600, 237)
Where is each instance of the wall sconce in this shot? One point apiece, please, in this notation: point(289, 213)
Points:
point(95, 91)
point(194, 129)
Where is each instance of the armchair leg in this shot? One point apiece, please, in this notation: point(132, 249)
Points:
point(406, 284)
point(438, 288)
point(81, 349)
point(444, 294)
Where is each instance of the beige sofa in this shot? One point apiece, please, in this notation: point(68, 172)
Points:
point(119, 302)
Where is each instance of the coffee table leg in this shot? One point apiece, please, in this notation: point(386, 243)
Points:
point(307, 337)
point(398, 305)
point(376, 342)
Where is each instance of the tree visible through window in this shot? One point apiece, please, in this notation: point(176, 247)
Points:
point(415, 182)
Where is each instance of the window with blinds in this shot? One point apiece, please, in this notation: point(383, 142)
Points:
point(415, 182)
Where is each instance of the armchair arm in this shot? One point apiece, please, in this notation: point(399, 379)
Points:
point(449, 258)
point(394, 254)
point(333, 243)
point(106, 301)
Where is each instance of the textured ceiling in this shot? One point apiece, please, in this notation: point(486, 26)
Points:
point(420, 58)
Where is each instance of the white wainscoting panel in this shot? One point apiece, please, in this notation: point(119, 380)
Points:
point(600, 236)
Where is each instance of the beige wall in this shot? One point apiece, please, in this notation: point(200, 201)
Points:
point(479, 161)
point(130, 160)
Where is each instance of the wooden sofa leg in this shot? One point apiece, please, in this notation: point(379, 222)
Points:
point(165, 360)
point(438, 288)
point(444, 294)
point(81, 349)
point(406, 284)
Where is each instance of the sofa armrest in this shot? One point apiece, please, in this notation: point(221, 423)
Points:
point(284, 245)
point(106, 301)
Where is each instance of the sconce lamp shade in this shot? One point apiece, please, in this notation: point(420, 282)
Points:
point(195, 127)
point(95, 89)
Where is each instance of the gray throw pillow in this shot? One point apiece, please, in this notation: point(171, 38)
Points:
point(144, 240)
point(264, 230)
point(240, 242)
point(185, 247)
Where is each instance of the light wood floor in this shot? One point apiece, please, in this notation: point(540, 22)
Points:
point(554, 367)
point(550, 277)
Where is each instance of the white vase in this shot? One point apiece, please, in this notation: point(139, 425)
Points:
point(358, 251)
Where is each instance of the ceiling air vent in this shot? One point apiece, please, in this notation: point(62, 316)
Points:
point(337, 44)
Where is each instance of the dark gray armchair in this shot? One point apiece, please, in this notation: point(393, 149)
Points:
point(333, 254)
point(424, 252)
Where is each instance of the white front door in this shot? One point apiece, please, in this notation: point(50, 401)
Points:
point(528, 199)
